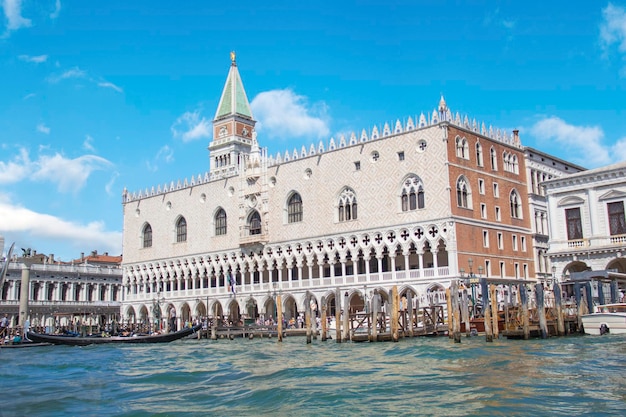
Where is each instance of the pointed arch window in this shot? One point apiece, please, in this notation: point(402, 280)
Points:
point(493, 156)
point(220, 222)
point(412, 194)
point(479, 154)
point(294, 208)
point(254, 223)
point(147, 236)
point(347, 209)
point(181, 230)
point(463, 193)
point(516, 207)
point(462, 148)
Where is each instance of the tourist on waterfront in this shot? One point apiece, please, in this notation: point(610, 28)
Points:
point(4, 324)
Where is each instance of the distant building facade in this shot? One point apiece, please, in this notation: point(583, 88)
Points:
point(87, 289)
point(541, 167)
point(588, 222)
point(413, 204)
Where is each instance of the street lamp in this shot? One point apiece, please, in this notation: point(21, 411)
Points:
point(470, 263)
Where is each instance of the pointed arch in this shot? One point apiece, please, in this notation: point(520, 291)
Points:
point(181, 229)
point(254, 223)
point(412, 194)
point(516, 206)
point(146, 236)
point(220, 221)
point(347, 205)
point(294, 208)
point(463, 193)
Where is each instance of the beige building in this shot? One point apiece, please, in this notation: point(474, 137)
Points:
point(87, 289)
point(415, 203)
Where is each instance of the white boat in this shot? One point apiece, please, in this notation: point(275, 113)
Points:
point(608, 318)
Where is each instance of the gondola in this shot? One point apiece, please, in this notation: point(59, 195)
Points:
point(99, 340)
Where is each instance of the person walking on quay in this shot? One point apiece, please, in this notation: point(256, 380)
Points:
point(4, 327)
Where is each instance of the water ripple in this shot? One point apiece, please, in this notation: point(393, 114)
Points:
point(422, 376)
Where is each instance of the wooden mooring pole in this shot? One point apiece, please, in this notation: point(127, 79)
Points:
point(456, 319)
point(395, 308)
point(465, 312)
point(375, 310)
point(279, 316)
point(484, 289)
point(307, 318)
point(558, 305)
point(409, 304)
point(346, 317)
point(338, 316)
point(525, 317)
point(450, 314)
point(495, 315)
point(324, 321)
point(541, 310)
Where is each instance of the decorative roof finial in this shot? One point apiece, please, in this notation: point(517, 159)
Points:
point(442, 104)
point(232, 57)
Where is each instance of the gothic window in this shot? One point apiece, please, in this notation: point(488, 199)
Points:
point(617, 223)
point(574, 224)
point(181, 230)
point(479, 154)
point(494, 159)
point(220, 222)
point(347, 209)
point(412, 194)
point(516, 207)
point(463, 193)
point(515, 164)
point(254, 223)
point(147, 236)
point(294, 208)
point(462, 149)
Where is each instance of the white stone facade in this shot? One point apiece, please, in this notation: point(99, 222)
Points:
point(396, 189)
point(587, 224)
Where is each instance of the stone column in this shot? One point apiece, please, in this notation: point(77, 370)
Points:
point(24, 293)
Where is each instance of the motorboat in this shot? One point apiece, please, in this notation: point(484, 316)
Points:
point(608, 318)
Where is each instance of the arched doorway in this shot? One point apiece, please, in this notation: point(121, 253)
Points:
point(234, 316)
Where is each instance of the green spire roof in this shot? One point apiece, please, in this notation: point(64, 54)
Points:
point(234, 100)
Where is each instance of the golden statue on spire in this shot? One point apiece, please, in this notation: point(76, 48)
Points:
point(232, 57)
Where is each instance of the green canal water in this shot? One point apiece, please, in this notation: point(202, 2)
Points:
point(569, 376)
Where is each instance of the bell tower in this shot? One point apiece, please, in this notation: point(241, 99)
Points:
point(232, 126)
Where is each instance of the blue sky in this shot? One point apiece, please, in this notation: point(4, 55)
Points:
point(98, 96)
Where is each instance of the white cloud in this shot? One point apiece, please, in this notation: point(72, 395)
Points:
point(28, 96)
point(618, 150)
point(37, 59)
point(613, 27)
point(15, 170)
point(42, 128)
point(284, 114)
point(34, 226)
point(88, 143)
point(106, 84)
point(13, 12)
point(583, 144)
point(613, 31)
point(191, 126)
point(57, 10)
point(69, 175)
point(165, 154)
point(72, 73)
point(109, 185)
